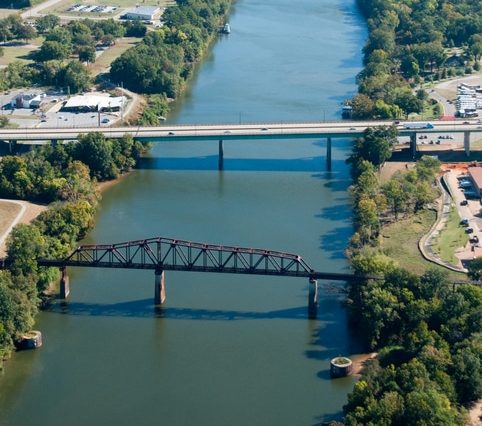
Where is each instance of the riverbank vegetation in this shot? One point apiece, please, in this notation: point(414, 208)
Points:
point(427, 331)
point(64, 176)
point(407, 45)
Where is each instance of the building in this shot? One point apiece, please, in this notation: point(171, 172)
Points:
point(94, 103)
point(27, 100)
point(142, 13)
point(475, 175)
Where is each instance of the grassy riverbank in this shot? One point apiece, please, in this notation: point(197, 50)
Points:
point(451, 238)
point(400, 239)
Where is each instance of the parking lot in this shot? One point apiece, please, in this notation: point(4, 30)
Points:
point(49, 114)
point(469, 209)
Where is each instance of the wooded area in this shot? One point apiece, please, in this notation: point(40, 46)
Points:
point(407, 46)
point(427, 332)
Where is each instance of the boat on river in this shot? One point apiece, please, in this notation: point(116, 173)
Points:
point(225, 29)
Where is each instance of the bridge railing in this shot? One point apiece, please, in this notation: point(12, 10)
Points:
point(172, 254)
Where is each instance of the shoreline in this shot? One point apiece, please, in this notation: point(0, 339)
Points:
point(360, 361)
point(105, 185)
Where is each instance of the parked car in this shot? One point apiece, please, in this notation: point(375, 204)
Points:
point(464, 222)
point(469, 230)
point(474, 239)
point(464, 202)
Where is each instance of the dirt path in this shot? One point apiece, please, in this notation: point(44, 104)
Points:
point(34, 11)
point(28, 212)
point(15, 220)
point(360, 361)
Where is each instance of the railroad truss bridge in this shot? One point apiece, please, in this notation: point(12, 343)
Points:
point(165, 254)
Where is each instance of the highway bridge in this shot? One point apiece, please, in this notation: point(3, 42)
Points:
point(226, 132)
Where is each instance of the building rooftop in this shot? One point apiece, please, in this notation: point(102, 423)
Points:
point(144, 10)
point(476, 174)
point(94, 101)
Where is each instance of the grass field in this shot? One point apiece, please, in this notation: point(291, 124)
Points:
point(400, 241)
point(451, 238)
point(107, 57)
point(20, 51)
point(8, 212)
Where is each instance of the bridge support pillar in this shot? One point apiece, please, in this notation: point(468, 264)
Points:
point(467, 143)
point(221, 155)
point(11, 146)
point(328, 154)
point(64, 284)
point(413, 145)
point(159, 288)
point(313, 299)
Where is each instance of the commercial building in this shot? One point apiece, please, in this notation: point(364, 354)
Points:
point(27, 100)
point(142, 13)
point(94, 103)
point(475, 175)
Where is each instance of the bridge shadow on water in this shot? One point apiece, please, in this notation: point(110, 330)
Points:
point(210, 162)
point(144, 308)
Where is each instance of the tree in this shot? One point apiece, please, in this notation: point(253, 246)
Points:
point(396, 196)
point(5, 33)
point(47, 22)
point(25, 245)
point(75, 76)
point(429, 407)
point(375, 146)
point(467, 375)
point(52, 50)
point(60, 35)
point(26, 32)
point(87, 54)
point(96, 152)
point(475, 269)
point(475, 46)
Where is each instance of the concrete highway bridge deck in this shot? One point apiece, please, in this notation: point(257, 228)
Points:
point(261, 131)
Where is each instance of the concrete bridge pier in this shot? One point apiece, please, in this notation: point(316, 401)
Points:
point(413, 145)
point(11, 146)
point(467, 143)
point(159, 287)
point(328, 154)
point(64, 284)
point(221, 155)
point(313, 299)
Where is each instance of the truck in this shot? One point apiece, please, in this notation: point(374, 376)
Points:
point(418, 125)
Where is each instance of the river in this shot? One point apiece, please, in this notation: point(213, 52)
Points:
point(224, 350)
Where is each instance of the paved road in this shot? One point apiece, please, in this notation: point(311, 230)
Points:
point(447, 107)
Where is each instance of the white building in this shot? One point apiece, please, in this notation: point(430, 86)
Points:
point(94, 103)
point(142, 13)
point(27, 100)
